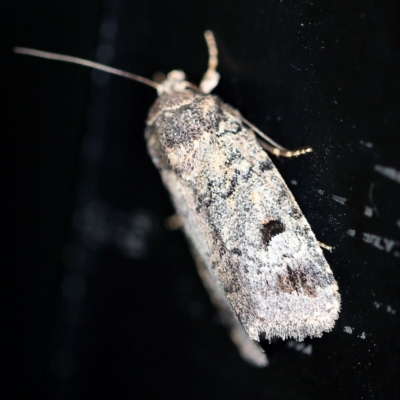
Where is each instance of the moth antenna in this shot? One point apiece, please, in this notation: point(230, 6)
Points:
point(274, 147)
point(211, 77)
point(212, 50)
point(86, 63)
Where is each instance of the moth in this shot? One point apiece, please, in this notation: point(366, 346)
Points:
point(254, 249)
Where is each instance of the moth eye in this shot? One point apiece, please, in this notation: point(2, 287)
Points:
point(270, 229)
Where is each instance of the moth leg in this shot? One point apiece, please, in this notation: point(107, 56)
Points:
point(325, 246)
point(173, 222)
point(274, 147)
point(248, 349)
point(211, 77)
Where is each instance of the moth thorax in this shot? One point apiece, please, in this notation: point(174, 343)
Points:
point(175, 82)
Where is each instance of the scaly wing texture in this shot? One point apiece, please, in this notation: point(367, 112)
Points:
point(243, 221)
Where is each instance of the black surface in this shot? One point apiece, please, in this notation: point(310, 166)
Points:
point(104, 301)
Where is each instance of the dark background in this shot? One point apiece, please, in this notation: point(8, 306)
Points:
point(104, 302)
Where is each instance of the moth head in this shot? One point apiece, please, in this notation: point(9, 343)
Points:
point(175, 82)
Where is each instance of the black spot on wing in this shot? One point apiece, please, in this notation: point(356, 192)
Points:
point(271, 229)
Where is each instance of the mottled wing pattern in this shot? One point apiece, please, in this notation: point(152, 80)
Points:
point(241, 218)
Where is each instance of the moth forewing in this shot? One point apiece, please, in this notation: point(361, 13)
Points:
point(240, 216)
